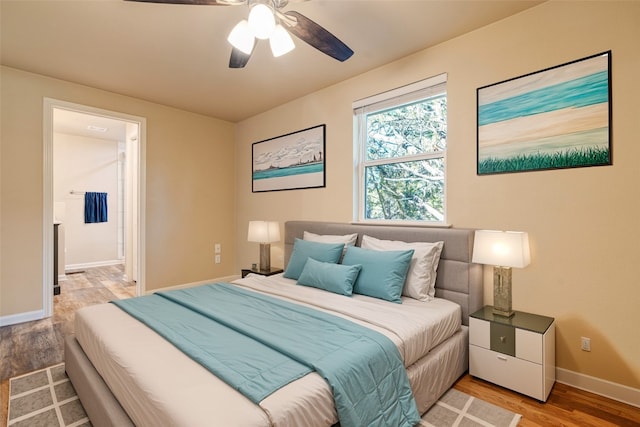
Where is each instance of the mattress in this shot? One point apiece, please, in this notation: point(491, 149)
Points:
point(414, 326)
point(158, 385)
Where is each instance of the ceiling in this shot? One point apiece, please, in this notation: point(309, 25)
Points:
point(88, 125)
point(177, 55)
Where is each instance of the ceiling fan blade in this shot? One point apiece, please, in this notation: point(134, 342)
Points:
point(196, 2)
point(238, 58)
point(310, 32)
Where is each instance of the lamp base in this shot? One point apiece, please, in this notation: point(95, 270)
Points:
point(501, 313)
point(502, 291)
point(265, 256)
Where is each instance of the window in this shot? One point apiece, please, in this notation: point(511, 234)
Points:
point(400, 145)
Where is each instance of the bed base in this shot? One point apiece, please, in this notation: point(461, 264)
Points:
point(100, 405)
point(458, 280)
point(429, 377)
point(434, 374)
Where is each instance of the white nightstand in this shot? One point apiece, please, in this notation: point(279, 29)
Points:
point(517, 352)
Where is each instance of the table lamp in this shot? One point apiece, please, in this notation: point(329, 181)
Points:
point(503, 250)
point(265, 233)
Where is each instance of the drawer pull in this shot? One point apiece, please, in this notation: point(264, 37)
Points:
point(503, 339)
point(504, 359)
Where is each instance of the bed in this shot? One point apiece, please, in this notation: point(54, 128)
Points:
point(123, 371)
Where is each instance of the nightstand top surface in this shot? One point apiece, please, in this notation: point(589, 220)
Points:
point(521, 320)
point(271, 271)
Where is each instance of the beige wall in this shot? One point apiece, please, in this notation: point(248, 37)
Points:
point(189, 182)
point(583, 223)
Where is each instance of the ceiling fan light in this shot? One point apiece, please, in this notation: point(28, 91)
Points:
point(241, 37)
point(280, 41)
point(261, 21)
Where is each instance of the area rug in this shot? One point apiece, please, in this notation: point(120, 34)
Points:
point(47, 398)
point(459, 409)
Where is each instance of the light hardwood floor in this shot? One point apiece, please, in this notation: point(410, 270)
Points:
point(566, 406)
point(35, 345)
point(32, 349)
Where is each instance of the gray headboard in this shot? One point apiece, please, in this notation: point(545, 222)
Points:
point(458, 280)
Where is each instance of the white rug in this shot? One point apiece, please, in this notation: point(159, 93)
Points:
point(459, 409)
point(47, 398)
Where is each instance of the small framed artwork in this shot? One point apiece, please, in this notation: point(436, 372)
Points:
point(288, 162)
point(556, 118)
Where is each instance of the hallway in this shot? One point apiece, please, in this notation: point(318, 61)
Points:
point(34, 345)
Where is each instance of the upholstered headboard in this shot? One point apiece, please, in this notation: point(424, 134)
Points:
point(458, 279)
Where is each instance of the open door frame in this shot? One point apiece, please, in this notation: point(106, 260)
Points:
point(47, 251)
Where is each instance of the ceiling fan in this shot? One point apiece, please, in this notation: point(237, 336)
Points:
point(268, 21)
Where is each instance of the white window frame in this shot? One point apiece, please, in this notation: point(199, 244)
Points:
point(403, 95)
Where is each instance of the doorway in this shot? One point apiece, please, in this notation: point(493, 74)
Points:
point(122, 138)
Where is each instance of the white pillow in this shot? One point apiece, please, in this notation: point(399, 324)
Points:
point(421, 278)
point(347, 239)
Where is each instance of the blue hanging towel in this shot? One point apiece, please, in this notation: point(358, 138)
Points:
point(95, 207)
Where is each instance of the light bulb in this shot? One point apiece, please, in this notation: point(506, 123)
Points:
point(280, 41)
point(261, 21)
point(241, 37)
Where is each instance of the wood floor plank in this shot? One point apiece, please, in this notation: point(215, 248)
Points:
point(566, 406)
point(4, 398)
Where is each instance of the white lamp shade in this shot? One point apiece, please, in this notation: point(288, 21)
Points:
point(261, 21)
point(241, 37)
point(264, 231)
point(501, 248)
point(280, 41)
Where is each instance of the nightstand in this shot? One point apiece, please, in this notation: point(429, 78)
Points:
point(516, 352)
point(269, 272)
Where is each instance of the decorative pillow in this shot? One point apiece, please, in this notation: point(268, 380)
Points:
point(336, 278)
point(421, 278)
point(347, 239)
point(303, 249)
point(383, 272)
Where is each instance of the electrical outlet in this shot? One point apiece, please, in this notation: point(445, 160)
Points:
point(585, 344)
point(217, 248)
point(217, 259)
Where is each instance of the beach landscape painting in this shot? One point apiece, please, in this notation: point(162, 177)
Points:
point(555, 118)
point(292, 161)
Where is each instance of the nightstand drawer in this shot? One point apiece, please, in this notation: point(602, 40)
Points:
point(503, 338)
point(520, 375)
point(491, 335)
point(479, 333)
point(530, 346)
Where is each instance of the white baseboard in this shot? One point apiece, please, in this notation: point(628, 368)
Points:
point(69, 268)
point(189, 285)
point(619, 392)
point(12, 319)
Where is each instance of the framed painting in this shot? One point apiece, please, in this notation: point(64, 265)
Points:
point(556, 118)
point(288, 162)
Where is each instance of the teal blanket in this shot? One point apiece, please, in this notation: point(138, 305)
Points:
point(258, 344)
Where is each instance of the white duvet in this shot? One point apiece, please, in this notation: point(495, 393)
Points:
point(160, 386)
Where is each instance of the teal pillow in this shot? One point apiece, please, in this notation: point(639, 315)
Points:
point(383, 272)
point(304, 249)
point(336, 278)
